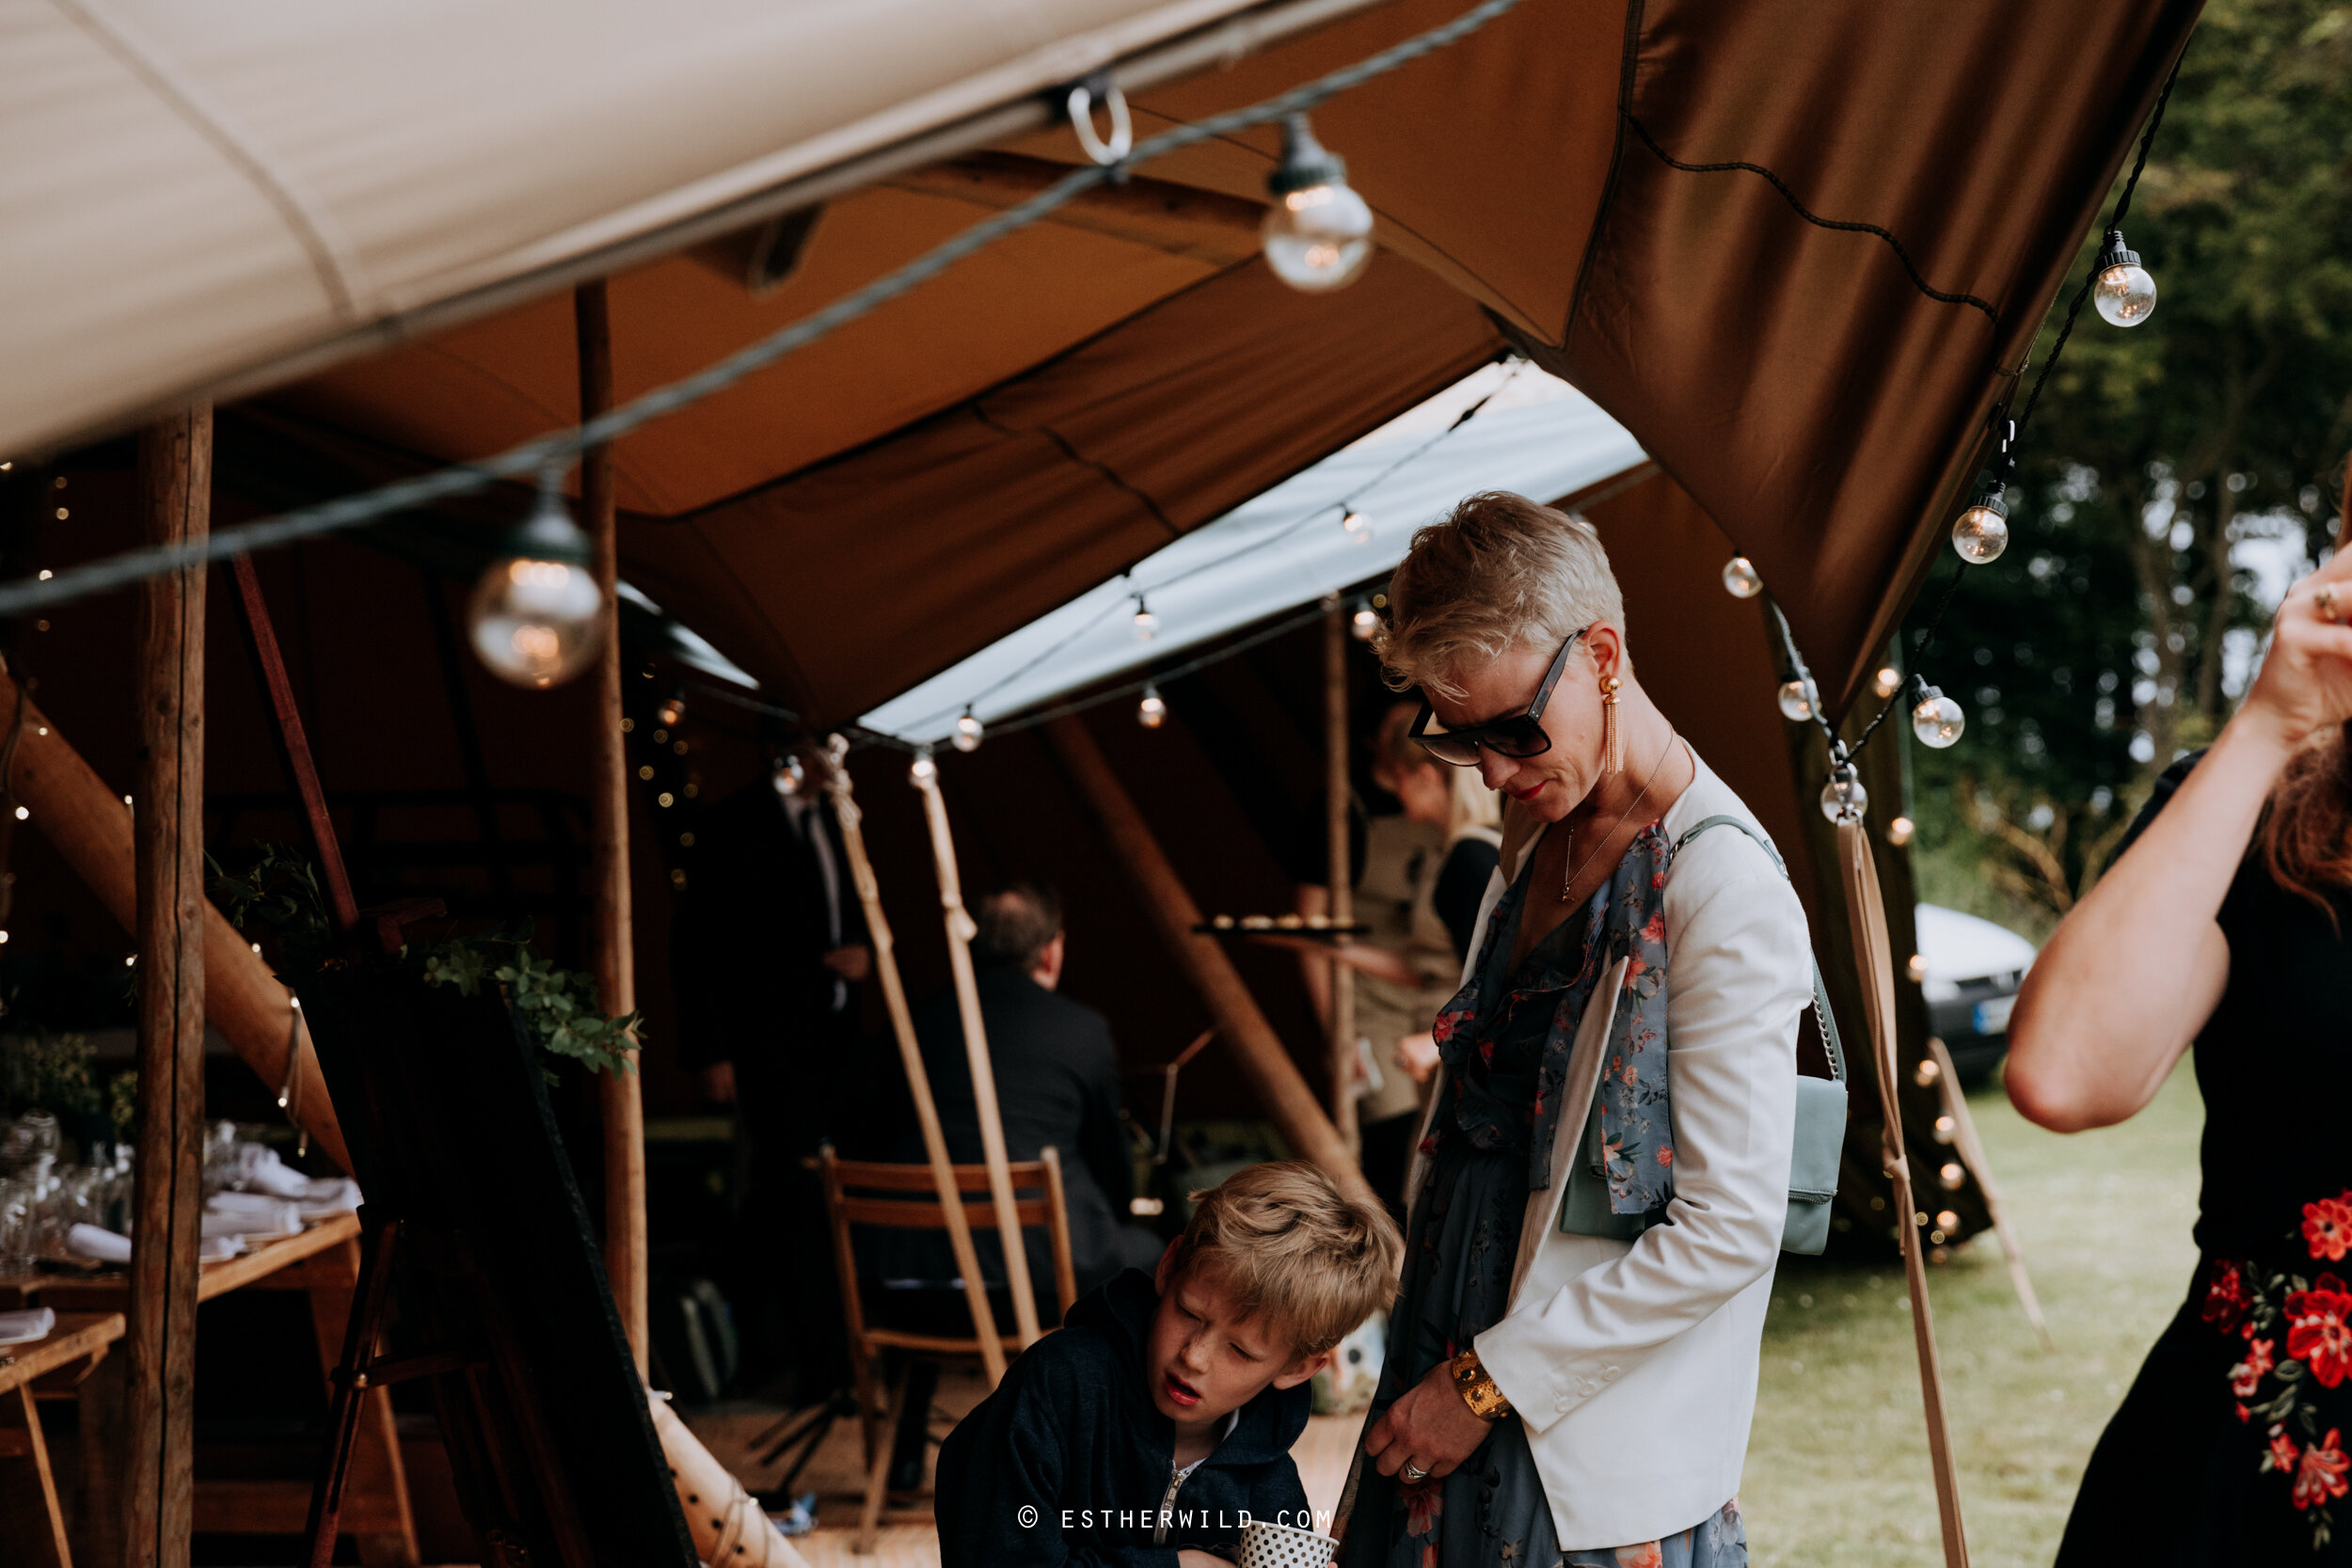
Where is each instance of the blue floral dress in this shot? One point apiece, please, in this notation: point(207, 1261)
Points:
point(1489, 1144)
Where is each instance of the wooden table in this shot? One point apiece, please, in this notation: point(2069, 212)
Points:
point(30, 1513)
point(323, 1261)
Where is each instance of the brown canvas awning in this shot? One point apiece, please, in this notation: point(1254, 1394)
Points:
point(1626, 191)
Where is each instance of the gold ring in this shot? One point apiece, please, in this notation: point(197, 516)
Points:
point(2326, 598)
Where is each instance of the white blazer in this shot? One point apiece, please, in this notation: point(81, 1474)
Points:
point(1632, 1364)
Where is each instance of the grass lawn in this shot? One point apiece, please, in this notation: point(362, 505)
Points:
point(1837, 1469)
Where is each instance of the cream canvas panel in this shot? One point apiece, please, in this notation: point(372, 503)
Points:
point(194, 189)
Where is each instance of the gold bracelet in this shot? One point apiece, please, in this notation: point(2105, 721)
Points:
point(1477, 1388)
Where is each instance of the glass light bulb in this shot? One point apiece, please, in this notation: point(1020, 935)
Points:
point(1982, 533)
point(1318, 239)
point(2126, 294)
point(1147, 624)
point(1741, 580)
point(967, 733)
point(1356, 522)
point(1795, 705)
point(536, 622)
point(1844, 799)
point(923, 771)
point(1364, 623)
point(672, 711)
point(790, 777)
point(1899, 832)
point(1151, 712)
point(1888, 681)
point(1952, 1176)
point(1937, 721)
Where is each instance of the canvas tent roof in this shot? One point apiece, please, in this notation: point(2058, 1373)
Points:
point(1624, 190)
point(1526, 432)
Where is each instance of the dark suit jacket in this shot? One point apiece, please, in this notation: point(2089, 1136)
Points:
point(1056, 1083)
point(748, 942)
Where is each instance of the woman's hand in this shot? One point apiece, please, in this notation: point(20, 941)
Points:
point(2305, 680)
point(1417, 1055)
point(1193, 1557)
point(1430, 1427)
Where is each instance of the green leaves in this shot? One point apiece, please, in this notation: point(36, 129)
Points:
point(558, 1005)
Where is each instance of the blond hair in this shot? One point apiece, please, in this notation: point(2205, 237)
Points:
point(1501, 570)
point(1290, 1244)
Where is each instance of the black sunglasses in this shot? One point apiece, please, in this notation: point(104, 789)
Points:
point(1521, 734)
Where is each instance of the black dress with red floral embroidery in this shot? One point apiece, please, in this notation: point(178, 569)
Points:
point(2231, 1448)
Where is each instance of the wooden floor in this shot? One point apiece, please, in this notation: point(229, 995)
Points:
point(836, 1474)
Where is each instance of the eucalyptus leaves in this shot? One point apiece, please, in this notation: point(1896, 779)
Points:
point(279, 890)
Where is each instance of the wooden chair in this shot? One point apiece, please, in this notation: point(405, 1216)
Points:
point(862, 1193)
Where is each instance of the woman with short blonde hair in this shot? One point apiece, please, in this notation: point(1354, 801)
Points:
point(1598, 1204)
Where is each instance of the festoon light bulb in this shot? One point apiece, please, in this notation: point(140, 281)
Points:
point(967, 733)
point(1151, 712)
point(790, 776)
point(1888, 681)
point(923, 771)
point(1147, 624)
point(1981, 533)
point(537, 616)
point(1358, 527)
point(1363, 623)
point(2124, 294)
point(1843, 798)
point(1795, 704)
point(1741, 580)
point(1318, 232)
point(1937, 720)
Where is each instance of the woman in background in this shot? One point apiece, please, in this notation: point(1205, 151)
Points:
point(2222, 928)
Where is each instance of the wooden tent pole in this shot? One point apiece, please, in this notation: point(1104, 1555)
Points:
point(86, 822)
point(1268, 1067)
point(925, 777)
point(1341, 861)
point(620, 1094)
point(1877, 968)
point(1971, 1149)
point(852, 822)
point(157, 1478)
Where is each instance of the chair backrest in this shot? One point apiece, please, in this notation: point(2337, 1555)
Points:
point(889, 1196)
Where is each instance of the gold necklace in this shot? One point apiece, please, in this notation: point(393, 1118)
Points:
point(1628, 811)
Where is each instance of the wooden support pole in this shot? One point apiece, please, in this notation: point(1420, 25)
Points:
point(157, 1477)
point(1342, 862)
point(89, 825)
point(852, 824)
point(1868, 911)
point(925, 777)
point(620, 1093)
point(1268, 1067)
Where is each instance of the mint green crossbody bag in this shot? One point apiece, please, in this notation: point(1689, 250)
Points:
point(1814, 1151)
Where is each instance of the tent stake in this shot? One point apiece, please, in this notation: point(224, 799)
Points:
point(1877, 971)
point(620, 1094)
point(157, 1478)
point(1255, 1047)
point(960, 933)
point(1341, 861)
point(852, 821)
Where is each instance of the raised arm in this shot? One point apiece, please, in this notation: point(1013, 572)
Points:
point(2133, 971)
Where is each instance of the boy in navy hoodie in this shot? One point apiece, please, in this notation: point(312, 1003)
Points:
point(1159, 1420)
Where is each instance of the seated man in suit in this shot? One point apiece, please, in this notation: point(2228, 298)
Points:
point(1056, 1083)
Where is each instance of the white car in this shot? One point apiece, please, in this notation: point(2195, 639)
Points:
point(1974, 969)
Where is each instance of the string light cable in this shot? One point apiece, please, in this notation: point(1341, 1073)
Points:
point(563, 448)
point(1981, 531)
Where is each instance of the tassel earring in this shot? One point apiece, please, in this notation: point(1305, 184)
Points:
point(1612, 735)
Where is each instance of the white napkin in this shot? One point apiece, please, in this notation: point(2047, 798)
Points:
point(249, 1214)
point(22, 1328)
point(331, 1195)
point(87, 1241)
point(259, 1169)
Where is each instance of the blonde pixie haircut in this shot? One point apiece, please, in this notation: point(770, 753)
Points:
point(1290, 1246)
point(1500, 571)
